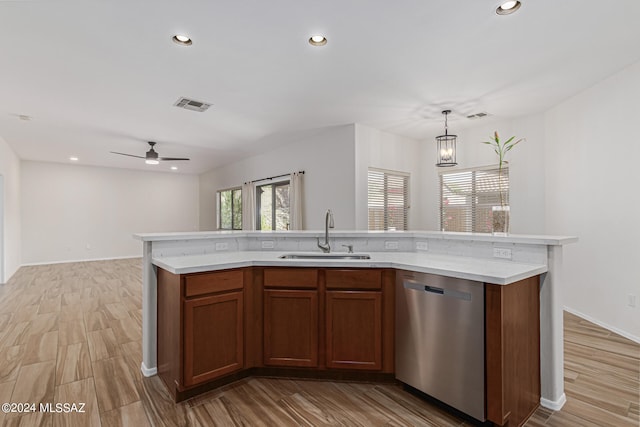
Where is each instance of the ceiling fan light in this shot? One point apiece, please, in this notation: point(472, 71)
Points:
point(152, 162)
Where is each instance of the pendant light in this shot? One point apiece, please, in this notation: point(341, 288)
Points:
point(446, 145)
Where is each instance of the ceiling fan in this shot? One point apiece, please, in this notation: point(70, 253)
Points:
point(151, 157)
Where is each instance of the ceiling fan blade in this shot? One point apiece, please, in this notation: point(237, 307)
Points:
point(173, 158)
point(125, 154)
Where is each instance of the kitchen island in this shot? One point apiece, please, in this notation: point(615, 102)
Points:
point(459, 255)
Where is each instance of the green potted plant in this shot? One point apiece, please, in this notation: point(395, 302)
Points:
point(500, 214)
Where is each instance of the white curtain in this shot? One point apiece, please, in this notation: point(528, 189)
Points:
point(295, 201)
point(248, 206)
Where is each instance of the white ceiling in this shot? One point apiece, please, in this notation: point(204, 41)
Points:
point(101, 76)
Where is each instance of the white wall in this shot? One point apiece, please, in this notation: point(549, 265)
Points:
point(10, 171)
point(326, 155)
point(73, 212)
point(593, 172)
point(383, 150)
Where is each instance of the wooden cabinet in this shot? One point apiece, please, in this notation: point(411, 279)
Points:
point(354, 329)
point(324, 318)
point(291, 327)
point(213, 337)
point(200, 327)
point(512, 351)
point(290, 317)
point(354, 319)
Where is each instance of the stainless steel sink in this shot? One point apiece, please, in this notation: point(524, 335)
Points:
point(324, 256)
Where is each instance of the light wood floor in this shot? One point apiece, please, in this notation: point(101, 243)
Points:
point(71, 333)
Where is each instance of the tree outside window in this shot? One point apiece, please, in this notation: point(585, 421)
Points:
point(230, 209)
point(272, 206)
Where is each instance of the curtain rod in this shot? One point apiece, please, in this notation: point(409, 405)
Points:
point(271, 177)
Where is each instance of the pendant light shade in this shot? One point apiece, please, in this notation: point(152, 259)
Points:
point(446, 146)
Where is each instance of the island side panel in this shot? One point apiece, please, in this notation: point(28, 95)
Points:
point(149, 312)
point(552, 333)
point(513, 351)
point(169, 326)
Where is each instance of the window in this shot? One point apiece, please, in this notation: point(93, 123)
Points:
point(388, 199)
point(467, 196)
point(272, 206)
point(230, 209)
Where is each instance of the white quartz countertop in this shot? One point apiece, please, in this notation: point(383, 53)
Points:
point(526, 239)
point(478, 269)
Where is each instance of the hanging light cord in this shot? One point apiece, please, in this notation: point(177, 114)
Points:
point(446, 125)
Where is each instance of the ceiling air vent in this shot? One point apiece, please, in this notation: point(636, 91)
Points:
point(191, 104)
point(477, 116)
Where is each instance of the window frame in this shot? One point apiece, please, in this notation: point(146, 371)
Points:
point(406, 178)
point(474, 196)
point(219, 208)
point(273, 186)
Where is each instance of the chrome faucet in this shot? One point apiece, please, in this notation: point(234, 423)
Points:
point(328, 223)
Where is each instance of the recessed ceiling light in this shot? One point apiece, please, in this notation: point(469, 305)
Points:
point(183, 40)
point(151, 162)
point(73, 158)
point(317, 40)
point(508, 7)
point(174, 168)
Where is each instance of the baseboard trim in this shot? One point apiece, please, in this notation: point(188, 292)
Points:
point(603, 325)
point(31, 264)
point(148, 372)
point(554, 405)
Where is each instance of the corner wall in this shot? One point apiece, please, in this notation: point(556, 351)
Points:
point(75, 212)
point(10, 171)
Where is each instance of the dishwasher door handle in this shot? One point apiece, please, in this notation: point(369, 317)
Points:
point(422, 287)
point(413, 285)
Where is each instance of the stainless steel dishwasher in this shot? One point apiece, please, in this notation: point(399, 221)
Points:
point(440, 339)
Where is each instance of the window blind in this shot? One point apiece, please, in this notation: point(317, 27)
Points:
point(388, 200)
point(467, 197)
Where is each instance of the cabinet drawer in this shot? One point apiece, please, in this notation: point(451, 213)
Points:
point(200, 284)
point(291, 278)
point(354, 279)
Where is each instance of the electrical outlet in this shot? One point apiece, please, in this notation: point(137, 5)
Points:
point(631, 300)
point(422, 246)
point(222, 246)
point(502, 253)
point(391, 244)
point(268, 244)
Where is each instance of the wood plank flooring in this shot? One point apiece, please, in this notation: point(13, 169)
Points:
point(71, 333)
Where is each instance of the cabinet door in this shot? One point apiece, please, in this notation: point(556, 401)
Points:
point(354, 330)
point(213, 337)
point(291, 327)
